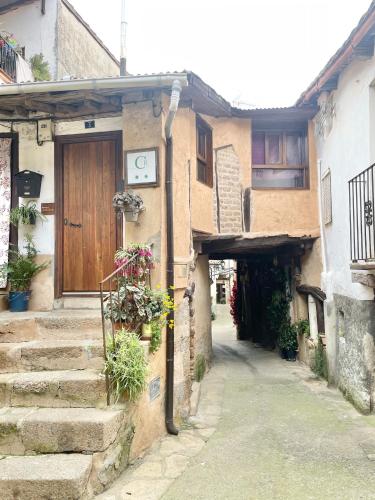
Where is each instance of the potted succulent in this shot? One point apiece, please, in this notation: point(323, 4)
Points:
point(129, 203)
point(19, 271)
point(26, 214)
point(288, 342)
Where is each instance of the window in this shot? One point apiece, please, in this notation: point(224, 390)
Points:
point(204, 152)
point(279, 159)
point(326, 198)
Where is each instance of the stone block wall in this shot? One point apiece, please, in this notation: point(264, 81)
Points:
point(227, 192)
point(355, 349)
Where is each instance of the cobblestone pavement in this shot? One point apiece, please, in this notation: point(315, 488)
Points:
point(265, 429)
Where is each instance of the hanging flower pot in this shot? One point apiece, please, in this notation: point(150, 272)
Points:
point(131, 216)
point(129, 203)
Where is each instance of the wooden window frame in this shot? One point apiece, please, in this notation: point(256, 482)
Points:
point(284, 165)
point(208, 159)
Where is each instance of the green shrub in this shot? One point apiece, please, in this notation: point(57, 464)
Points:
point(156, 335)
point(303, 327)
point(200, 367)
point(320, 361)
point(40, 68)
point(288, 337)
point(126, 365)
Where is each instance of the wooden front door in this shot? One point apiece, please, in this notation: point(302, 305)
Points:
point(89, 233)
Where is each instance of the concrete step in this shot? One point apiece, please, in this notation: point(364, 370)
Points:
point(25, 431)
point(38, 355)
point(54, 389)
point(52, 477)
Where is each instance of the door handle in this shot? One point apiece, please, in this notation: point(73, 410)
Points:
point(71, 224)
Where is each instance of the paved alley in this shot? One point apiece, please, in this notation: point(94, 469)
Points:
point(265, 429)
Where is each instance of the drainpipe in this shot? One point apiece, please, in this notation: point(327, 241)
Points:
point(175, 97)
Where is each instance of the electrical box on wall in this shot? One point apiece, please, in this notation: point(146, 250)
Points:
point(28, 184)
point(44, 131)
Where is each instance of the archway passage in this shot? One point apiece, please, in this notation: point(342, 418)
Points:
point(268, 271)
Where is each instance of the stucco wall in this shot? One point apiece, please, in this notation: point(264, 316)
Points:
point(34, 31)
point(79, 54)
point(346, 150)
point(288, 211)
point(202, 310)
point(41, 159)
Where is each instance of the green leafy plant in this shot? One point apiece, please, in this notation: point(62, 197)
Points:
point(320, 361)
point(126, 365)
point(40, 68)
point(288, 337)
point(26, 214)
point(303, 327)
point(22, 268)
point(156, 335)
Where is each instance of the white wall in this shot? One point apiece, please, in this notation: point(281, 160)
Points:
point(347, 150)
point(33, 30)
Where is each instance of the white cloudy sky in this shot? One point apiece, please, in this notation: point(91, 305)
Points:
point(258, 52)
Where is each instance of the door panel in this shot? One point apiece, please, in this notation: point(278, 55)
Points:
point(89, 227)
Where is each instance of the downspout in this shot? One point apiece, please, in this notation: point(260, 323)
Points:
point(175, 97)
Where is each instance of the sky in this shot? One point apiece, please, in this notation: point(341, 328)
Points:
point(259, 53)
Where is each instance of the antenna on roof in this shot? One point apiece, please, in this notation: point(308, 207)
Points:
point(124, 25)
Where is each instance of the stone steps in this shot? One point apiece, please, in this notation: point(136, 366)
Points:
point(54, 389)
point(25, 431)
point(58, 438)
point(52, 477)
point(39, 355)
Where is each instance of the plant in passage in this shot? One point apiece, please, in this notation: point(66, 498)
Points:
point(234, 303)
point(26, 214)
point(200, 367)
point(288, 337)
point(22, 268)
point(127, 201)
point(303, 327)
point(126, 365)
point(320, 366)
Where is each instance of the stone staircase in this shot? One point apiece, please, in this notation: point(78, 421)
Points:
point(58, 438)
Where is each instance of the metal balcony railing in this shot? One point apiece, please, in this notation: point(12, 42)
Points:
point(361, 206)
point(8, 59)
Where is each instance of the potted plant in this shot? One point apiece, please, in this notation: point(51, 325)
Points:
point(126, 365)
point(19, 271)
point(129, 203)
point(140, 258)
point(26, 214)
point(288, 342)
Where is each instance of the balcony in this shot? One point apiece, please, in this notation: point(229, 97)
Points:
point(8, 60)
point(361, 206)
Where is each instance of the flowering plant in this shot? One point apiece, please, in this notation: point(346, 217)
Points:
point(141, 259)
point(234, 304)
point(127, 201)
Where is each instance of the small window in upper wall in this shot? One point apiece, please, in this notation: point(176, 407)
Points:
point(204, 152)
point(279, 159)
point(326, 196)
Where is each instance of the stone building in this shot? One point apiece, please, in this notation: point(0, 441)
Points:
point(54, 29)
point(244, 188)
point(344, 131)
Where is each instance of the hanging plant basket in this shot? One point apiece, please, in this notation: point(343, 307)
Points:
point(129, 203)
point(131, 216)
